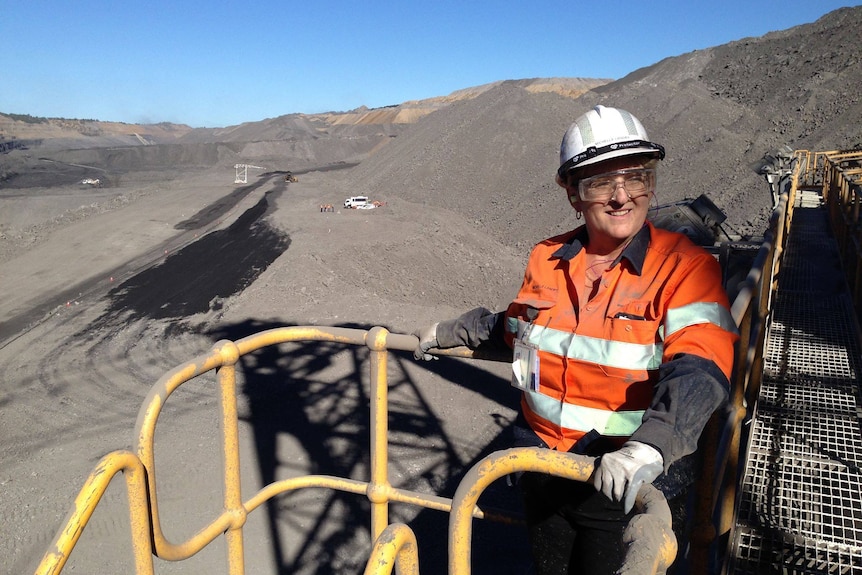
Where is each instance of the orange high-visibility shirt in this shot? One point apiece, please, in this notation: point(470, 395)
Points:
point(598, 360)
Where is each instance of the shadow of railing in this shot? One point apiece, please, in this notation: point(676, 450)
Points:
point(313, 395)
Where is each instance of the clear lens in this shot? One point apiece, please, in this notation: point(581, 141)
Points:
point(637, 182)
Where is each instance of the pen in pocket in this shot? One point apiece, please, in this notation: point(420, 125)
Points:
point(629, 316)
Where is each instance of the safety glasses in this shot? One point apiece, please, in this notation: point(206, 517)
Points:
point(636, 182)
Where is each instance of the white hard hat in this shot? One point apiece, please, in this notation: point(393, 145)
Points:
point(601, 134)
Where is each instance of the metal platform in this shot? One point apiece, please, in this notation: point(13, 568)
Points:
point(800, 497)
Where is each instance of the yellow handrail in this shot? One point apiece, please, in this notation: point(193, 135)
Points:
point(140, 469)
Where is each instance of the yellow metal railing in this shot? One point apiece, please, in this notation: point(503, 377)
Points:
point(722, 437)
point(394, 544)
point(842, 190)
point(837, 175)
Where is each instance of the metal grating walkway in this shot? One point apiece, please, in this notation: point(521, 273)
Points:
point(800, 507)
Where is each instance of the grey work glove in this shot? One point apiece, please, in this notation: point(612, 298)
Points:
point(621, 473)
point(427, 340)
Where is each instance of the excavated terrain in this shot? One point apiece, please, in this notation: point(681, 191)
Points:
point(106, 288)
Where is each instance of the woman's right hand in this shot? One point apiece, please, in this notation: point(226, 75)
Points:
point(427, 340)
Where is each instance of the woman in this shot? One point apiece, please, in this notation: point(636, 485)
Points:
point(623, 347)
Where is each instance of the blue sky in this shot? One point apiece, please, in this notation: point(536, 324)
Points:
point(216, 64)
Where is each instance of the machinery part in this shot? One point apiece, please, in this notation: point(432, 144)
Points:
point(242, 172)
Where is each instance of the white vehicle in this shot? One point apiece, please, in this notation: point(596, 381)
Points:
point(356, 201)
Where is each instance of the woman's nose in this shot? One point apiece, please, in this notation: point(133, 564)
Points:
point(621, 194)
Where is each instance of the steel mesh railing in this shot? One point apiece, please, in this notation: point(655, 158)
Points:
point(799, 508)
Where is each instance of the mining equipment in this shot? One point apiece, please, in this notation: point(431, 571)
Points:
point(242, 172)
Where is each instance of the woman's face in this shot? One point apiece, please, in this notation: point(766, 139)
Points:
point(613, 221)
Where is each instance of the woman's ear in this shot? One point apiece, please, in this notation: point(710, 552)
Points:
point(571, 190)
point(574, 199)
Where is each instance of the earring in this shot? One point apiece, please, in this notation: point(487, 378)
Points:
point(577, 214)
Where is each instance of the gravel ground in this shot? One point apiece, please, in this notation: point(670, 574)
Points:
point(105, 289)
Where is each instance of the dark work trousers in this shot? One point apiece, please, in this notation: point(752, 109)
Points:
point(575, 529)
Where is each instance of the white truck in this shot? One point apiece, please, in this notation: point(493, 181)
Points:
point(356, 202)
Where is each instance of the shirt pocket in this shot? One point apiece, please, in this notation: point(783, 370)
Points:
point(632, 322)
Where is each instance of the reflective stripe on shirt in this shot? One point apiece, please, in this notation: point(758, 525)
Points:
point(618, 354)
point(697, 313)
point(584, 419)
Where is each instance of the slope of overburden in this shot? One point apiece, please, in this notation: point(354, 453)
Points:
point(717, 112)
